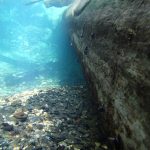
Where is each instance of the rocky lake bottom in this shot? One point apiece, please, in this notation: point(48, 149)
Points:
point(60, 118)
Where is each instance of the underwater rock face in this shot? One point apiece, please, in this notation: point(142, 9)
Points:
point(113, 40)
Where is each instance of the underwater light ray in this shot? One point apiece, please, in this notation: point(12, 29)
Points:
point(35, 48)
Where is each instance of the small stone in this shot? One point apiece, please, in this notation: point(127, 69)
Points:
point(38, 148)
point(45, 108)
point(97, 145)
point(29, 127)
point(7, 127)
point(45, 115)
point(16, 131)
point(40, 126)
point(20, 115)
point(30, 108)
point(32, 142)
point(33, 118)
point(76, 149)
point(4, 144)
point(104, 147)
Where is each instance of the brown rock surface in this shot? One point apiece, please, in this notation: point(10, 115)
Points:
point(113, 41)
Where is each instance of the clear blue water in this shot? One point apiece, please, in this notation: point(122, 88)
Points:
point(35, 50)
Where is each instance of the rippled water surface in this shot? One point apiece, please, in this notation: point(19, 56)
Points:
point(35, 51)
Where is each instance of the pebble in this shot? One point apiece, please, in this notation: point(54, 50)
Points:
point(20, 115)
point(53, 119)
point(29, 127)
point(45, 108)
point(7, 127)
point(39, 126)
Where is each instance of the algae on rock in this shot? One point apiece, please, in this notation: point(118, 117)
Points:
point(113, 41)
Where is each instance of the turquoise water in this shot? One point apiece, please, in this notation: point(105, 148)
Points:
point(35, 50)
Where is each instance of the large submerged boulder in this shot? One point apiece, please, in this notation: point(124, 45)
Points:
point(113, 42)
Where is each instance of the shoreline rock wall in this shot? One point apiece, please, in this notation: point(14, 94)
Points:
point(113, 41)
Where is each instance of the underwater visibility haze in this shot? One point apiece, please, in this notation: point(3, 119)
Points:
point(35, 51)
